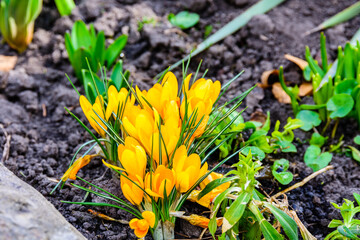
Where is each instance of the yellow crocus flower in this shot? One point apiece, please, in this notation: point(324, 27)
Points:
point(160, 95)
point(76, 166)
point(118, 100)
point(132, 157)
point(187, 169)
point(200, 98)
point(89, 111)
point(163, 179)
point(132, 192)
point(144, 126)
point(141, 226)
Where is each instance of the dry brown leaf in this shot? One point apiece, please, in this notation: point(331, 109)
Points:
point(298, 61)
point(305, 89)
point(280, 94)
point(265, 78)
point(7, 63)
point(258, 116)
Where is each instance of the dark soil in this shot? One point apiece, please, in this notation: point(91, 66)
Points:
point(44, 137)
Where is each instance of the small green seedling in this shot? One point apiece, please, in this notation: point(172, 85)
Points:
point(245, 210)
point(335, 99)
point(348, 228)
point(208, 30)
point(315, 159)
point(87, 49)
point(17, 18)
point(184, 19)
point(145, 20)
point(280, 173)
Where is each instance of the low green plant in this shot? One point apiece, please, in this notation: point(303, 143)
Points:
point(349, 227)
point(245, 211)
point(17, 18)
point(280, 173)
point(184, 19)
point(145, 20)
point(335, 99)
point(86, 49)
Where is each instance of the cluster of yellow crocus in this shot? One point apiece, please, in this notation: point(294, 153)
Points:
point(152, 158)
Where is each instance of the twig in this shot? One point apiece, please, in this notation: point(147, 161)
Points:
point(303, 182)
point(6, 150)
point(202, 233)
point(44, 112)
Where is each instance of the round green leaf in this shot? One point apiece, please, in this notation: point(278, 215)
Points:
point(279, 171)
point(184, 19)
point(346, 86)
point(357, 139)
point(340, 105)
point(315, 159)
point(256, 152)
point(309, 118)
point(317, 140)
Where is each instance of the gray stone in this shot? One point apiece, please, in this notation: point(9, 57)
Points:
point(25, 214)
point(12, 113)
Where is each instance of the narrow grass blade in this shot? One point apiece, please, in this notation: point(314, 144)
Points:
point(340, 17)
point(259, 8)
point(332, 70)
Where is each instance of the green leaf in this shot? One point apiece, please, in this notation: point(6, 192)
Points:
point(287, 223)
point(346, 86)
point(355, 153)
point(117, 76)
point(80, 35)
point(343, 230)
point(90, 89)
point(307, 73)
point(256, 152)
point(315, 159)
point(357, 140)
point(114, 50)
point(235, 211)
point(340, 17)
point(357, 198)
point(184, 19)
point(286, 146)
point(279, 171)
point(317, 140)
point(335, 223)
point(340, 105)
point(65, 6)
point(99, 49)
point(309, 118)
